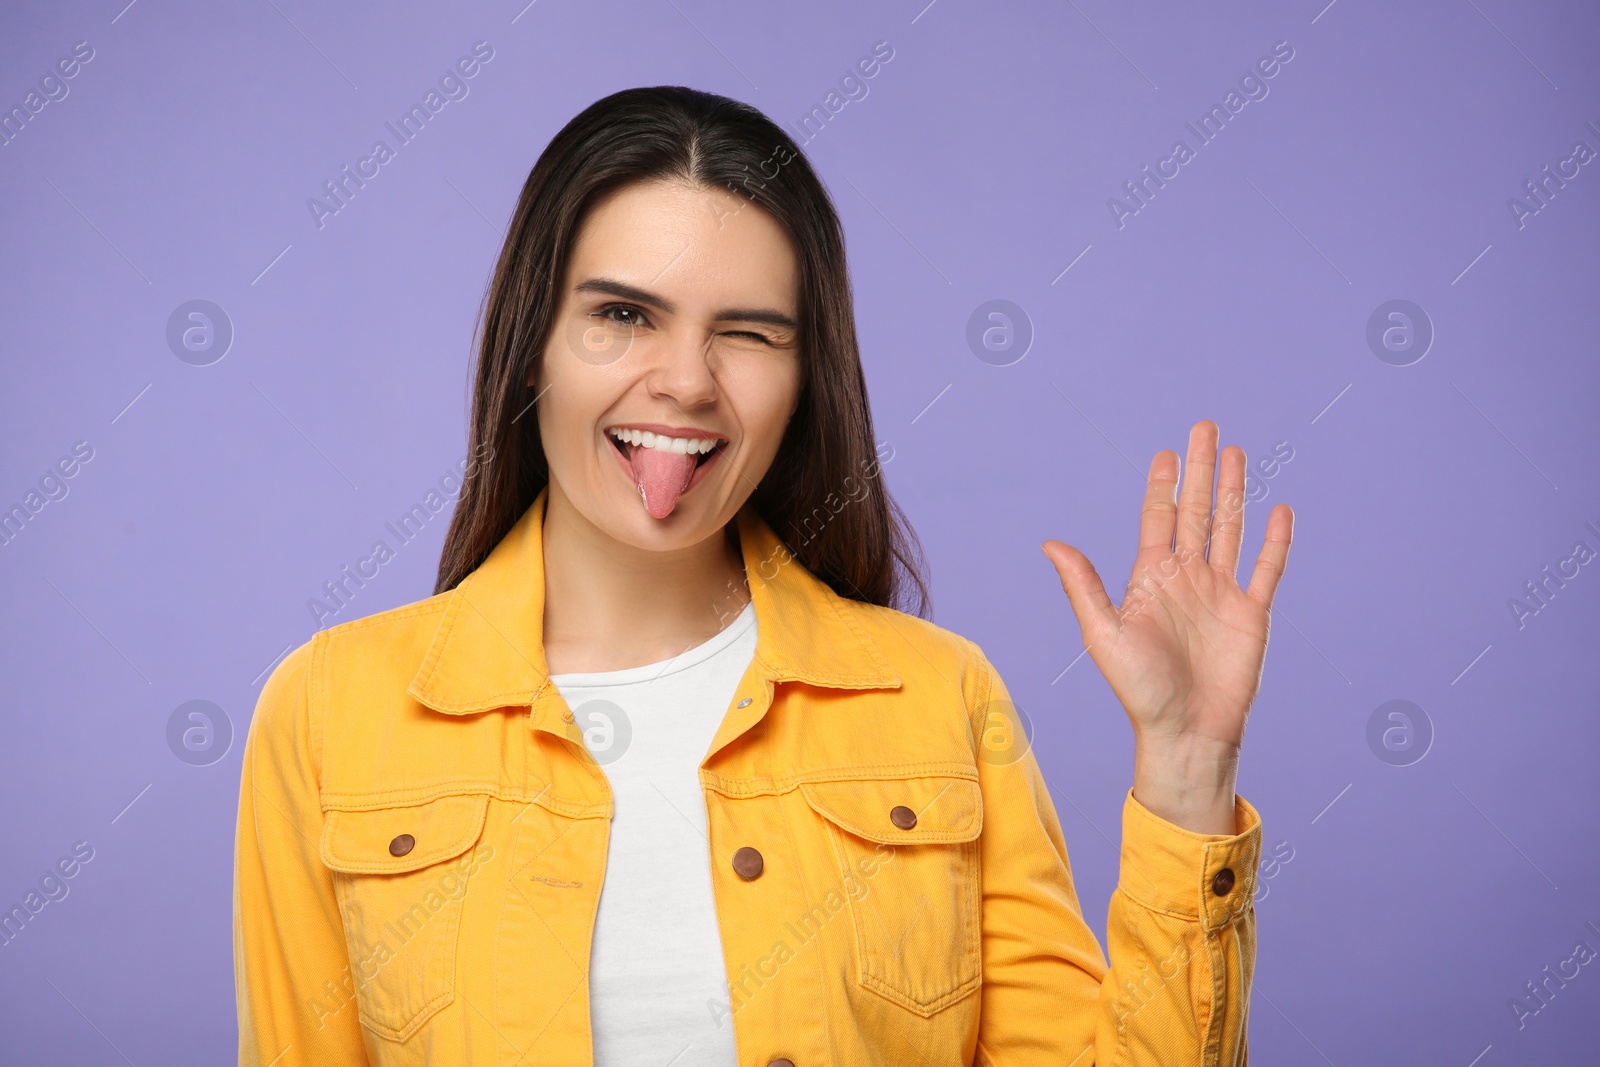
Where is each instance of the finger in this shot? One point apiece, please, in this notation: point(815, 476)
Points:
point(1274, 555)
point(1160, 507)
point(1227, 525)
point(1084, 589)
point(1194, 495)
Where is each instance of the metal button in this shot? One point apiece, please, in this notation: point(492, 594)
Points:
point(401, 845)
point(902, 816)
point(745, 703)
point(747, 863)
point(1222, 884)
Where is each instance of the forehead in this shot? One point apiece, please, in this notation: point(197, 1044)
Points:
point(697, 245)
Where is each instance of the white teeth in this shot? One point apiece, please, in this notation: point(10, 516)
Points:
point(680, 445)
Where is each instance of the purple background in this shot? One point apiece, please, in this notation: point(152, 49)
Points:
point(219, 498)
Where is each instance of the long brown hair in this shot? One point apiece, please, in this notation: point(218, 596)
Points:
point(824, 494)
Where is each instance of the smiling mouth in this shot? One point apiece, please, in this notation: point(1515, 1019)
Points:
point(666, 468)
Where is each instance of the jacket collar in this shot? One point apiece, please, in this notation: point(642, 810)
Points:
point(488, 651)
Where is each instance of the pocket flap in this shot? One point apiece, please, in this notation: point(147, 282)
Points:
point(947, 809)
point(365, 842)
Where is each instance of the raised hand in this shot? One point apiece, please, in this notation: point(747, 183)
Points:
point(1184, 650)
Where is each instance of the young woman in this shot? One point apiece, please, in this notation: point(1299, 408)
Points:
point(660, 775)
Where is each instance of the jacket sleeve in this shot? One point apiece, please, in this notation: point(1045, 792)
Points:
point(291, 969)
point(1182, 954)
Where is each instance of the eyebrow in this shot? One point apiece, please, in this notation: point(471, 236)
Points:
point(611, 287)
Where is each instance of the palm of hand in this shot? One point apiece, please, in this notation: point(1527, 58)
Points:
point(1184, 650)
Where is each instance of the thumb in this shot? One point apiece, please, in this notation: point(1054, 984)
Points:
point(1084, 589)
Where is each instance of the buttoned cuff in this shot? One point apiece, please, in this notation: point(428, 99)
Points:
point(1209, 878)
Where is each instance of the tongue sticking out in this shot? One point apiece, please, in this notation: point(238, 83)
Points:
point(661, 477)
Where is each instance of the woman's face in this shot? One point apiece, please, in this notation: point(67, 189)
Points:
point(678, 318)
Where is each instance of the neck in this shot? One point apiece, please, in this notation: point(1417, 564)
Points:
point(609, 605)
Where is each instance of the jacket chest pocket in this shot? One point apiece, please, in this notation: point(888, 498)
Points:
point(908, 850)
point(401, 874)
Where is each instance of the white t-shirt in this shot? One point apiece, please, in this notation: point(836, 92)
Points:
point(657, 965)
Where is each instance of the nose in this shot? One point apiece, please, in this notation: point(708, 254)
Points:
point(681, 370)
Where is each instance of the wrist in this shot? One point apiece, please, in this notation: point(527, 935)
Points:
point(1188, 781)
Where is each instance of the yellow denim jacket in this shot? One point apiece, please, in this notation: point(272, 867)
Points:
point(422, 839)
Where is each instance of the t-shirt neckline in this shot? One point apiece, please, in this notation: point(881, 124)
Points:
point(645, 672)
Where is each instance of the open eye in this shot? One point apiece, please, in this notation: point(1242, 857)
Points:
point(637, 315)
